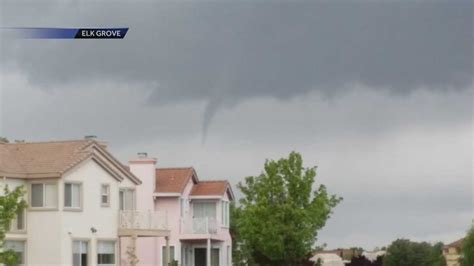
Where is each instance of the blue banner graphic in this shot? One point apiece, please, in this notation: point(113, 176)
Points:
point(68, 33)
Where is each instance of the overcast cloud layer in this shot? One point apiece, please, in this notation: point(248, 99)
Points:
point(379, 96)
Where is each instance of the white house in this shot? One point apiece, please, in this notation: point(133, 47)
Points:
point(75, 191)
point(86, 208)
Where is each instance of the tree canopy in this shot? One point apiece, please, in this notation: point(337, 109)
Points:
point(280, 213)
point(11, 203)
point(468, 248)
point(408, 253)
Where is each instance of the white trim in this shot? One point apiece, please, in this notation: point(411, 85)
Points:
point(134, 198)
point(116, 249)
point(81, 195)
point(44, 183)
point(206, 197)
point(102, 204)
point(89, 248)
point(166, 194)
point(174, 254)
point(204, 246)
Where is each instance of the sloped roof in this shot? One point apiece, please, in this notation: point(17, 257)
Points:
point(54, 158)
point(211, 188)
point(455, 244)
point(173, 180)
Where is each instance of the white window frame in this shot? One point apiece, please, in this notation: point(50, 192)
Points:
point(116, 258)
point(107, 194)
point(73, 208)
point(43, 207)
point(89, 253)
point(163, 248)
point(225, 213)
point(14, 224)
point(182, 203)
point(133, 198)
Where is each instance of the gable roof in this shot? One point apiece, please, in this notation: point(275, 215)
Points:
point(51, 159)
point(212, 188)
point(173, 180)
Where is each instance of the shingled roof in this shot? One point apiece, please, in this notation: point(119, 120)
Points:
point(210, 188)
point(173, 180)
point(51, 159)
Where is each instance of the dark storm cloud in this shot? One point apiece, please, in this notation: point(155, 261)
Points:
point(224, 53)
point(232, 51)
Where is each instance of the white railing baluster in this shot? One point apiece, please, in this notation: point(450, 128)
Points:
point(154, 220)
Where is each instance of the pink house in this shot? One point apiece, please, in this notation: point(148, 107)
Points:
point(193, 214)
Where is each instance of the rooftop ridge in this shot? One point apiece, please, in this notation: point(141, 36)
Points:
point(174, 168)
point(48, 141)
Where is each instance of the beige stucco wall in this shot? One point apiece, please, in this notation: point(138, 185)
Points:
point(78, 224)
point(452, 257)
point(50, 233)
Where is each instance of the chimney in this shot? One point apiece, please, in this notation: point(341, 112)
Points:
point(90, 137)
point(142, 155)
point(144, 168)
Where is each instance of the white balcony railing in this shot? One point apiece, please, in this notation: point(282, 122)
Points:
point(145, 220)
point(203, 225)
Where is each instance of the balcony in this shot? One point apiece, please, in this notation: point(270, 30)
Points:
point(143, 223)
point(204, 225)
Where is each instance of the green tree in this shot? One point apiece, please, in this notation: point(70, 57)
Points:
point(241, 255)
point(4, 140)
point(408, 253)
point(11, 203)
point(280, 212)
point(468, 248)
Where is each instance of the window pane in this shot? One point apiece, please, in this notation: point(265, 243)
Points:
point(18, 247)
point(37, 195)
point(106, 252)
point(105, 199)
point(164, 254)
point(128, 199)
point(104, 195)
point(76, 195)
point(121, 199)
point(20, 220)
point(204, 209)
point(51, 195)
point(68, 195)
point(105, 189)
point(215, 257)
point(80, 253)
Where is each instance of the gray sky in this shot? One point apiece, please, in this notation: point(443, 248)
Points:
point(378, 95)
